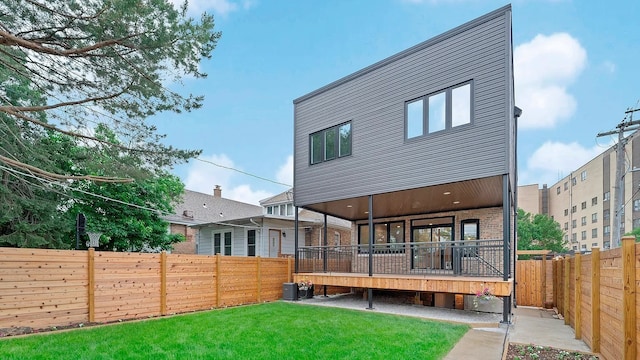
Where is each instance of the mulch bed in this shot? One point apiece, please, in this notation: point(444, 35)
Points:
point(24, 330)
point(537, 352)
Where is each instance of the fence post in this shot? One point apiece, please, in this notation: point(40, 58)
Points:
point(578, 297)
point(629, 296)
point(163, 283)
point(555, 283)
point(289, 270)
point(259, 278)
point(218, 280)
point(595, 300)
point(544, 280)
point(92, 285)
point(565, 290)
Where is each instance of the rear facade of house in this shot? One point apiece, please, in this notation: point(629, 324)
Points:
point(419, 152)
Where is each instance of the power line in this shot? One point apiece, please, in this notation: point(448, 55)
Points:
point(242, 172)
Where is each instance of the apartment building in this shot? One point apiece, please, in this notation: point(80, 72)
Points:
point(583, 201)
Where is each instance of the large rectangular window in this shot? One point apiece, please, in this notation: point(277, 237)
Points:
point(329, 144)
point(387, 237)
point(220, 247)
point(442, 110)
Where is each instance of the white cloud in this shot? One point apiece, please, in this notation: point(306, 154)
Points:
point(218, 7)
point(204, 176)
point(285, 172)
point(543, 69)
point(554, 160)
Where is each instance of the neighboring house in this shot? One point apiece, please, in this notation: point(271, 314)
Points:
point(199, 208)
point(583, 201)
point(419, 152)
point(270, 232)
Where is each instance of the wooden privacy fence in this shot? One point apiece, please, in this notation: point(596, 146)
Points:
point(534, 285)
point(42, 288)
point(598, 296)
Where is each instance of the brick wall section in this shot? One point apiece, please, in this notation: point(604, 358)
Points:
point(189, 245)
point(314, 237)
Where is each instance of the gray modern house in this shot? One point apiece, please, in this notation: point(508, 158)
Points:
point(419, 152)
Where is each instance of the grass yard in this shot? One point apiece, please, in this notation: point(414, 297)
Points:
point(276, 330)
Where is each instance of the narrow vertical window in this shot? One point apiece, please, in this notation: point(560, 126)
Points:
point(216, 243)
point(251, 243)
point(345, 140)
point(437, 112)
point(330, 144)
point(227, 243)
point(415, 119)
point(316, 148)
point(461, 105)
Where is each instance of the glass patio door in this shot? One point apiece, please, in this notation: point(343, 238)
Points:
point(426, 253)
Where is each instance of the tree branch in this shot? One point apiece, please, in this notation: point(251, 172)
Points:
point(8, 109)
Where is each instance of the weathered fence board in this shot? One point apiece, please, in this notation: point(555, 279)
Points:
point(43, 288)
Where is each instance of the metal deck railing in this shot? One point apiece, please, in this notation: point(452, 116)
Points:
point(456, 258)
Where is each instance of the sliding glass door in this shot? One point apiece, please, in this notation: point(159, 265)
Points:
point(427, 252)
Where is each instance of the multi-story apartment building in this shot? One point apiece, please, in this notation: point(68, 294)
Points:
point(583, 201)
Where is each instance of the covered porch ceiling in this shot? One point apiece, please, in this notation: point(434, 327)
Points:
point(463, 195)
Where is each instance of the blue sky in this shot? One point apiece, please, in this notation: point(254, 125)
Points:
point(576, 72)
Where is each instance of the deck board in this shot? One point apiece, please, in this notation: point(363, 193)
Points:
point(427, 283)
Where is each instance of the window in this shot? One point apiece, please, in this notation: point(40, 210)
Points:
point(336, 239)
point(583, 205)
point(566, 226)
point(558, 190)
point(385, 236)
point(606, 214)
point(594, 233)
point(583, 221)
point(594, 201)
point(636, 223)
point(606, 196)
point(575, 247)
point(574, 238)
point(329, 144)
point(251, 243)
point(595, 244)
point(289, 209)
point(218, 246)
point(573, 181)
point(283, 210)
point(270, 210)
point(583, 235)
point(439, 111)
point(583, 246)
point(566, 238)
point(573, 224)
point(606, 230)
point(574, 208)
point(566, 186)
point(606, 244)
point(583, 175)
point(566, 212)
point(636, 205)
point(594, 217)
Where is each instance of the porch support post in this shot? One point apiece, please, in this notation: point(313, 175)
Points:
point(295, 240)
point(506, 235)
point(325, 243)
point(370, 290)
point(326, 252)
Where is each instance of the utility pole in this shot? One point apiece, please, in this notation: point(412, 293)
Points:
point(625, 125)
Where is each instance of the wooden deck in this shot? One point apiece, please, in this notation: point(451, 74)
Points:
point(427, 283)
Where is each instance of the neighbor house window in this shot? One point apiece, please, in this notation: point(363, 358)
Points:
point(573, 224)
point(439, 111)
point(594, 201)
point(583, 221)
point(607, 230)
point(594, 217)
point(566, 186)
point(574, 208)
point(558, 190)
point(222, 243)
point(583, 205)
point(583, 175)
point(566, 212)
point(594, 233)
point(636, 223)
point(606, 214)
point(636, 205)
point(606, 196)
point(251, 243)
point(583, 235)
point(329, 144)
point(574, 238)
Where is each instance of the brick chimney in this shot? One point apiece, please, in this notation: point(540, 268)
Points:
point(217, 192)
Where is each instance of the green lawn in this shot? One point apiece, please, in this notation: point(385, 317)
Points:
point(267, 331)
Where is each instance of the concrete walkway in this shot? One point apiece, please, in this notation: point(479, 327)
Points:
point(487, 338)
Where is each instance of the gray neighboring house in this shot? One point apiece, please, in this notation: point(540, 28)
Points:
point(270, 231)
point(200, 208)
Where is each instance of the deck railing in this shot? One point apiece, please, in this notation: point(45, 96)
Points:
point(462, 258)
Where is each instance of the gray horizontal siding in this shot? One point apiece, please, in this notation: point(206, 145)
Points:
point(382, 160)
